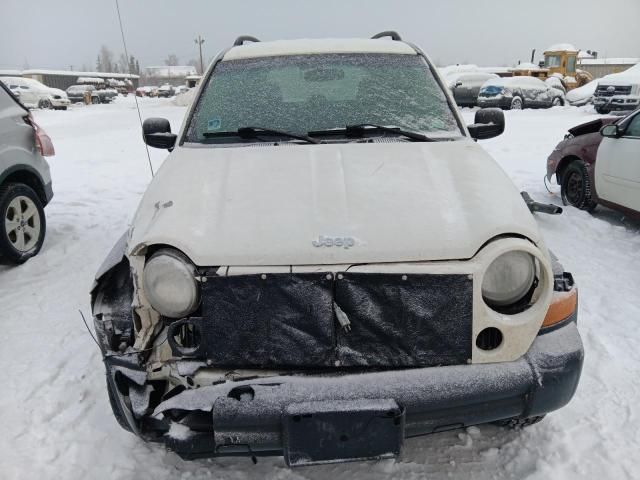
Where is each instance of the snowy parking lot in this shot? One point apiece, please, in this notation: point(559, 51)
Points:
point(54, 409)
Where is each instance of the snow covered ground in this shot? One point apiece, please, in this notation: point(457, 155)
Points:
point(54, 412)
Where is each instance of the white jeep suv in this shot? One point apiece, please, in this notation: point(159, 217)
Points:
point(328, 263)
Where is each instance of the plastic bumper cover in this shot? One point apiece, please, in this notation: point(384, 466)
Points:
point(248, 417)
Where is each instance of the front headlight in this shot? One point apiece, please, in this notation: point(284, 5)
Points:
point(509, 278)
point(170, 284)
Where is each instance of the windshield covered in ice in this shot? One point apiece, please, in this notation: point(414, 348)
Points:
point(302, 93)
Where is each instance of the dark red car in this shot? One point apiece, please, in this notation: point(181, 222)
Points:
point(573, 163)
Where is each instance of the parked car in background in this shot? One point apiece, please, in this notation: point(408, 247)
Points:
point(147, 91)
point(598, 162)
point(466, 86)
point(326, 300)
point(77, 93)
point(181, 89)
point(59, 99)
point(582, 95)
point(556, 82)
point(166, 91)
point(519, 92)
point(25, 182)
point(618, 91)
point(34, 94)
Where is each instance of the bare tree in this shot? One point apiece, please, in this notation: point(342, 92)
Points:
point(123, 63)
point(171, 60)
point(105, 60)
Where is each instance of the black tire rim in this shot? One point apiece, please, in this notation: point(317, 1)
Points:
point(574, 191)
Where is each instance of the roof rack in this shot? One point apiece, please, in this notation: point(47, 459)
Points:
point(244, 38)
point(389, 33)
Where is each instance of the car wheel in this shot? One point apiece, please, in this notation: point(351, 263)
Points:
point(557, 102)
point(22, 225)
point(95, 100)
point(517, 422)
point(44, 103)
point(576, 187)
point(602, 111)
point(516, 103)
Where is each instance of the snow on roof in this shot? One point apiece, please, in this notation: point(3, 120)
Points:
point(609, 61)
point(317, 46)
point(526, 66)
point(90, 80)
point(10, 73)
point(452, 78)
point(454, 70)
point(170, 72)
point(74, 73)
point(561, 47)
point(582, 55)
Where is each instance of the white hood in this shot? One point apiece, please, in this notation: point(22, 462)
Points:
point(265, 205)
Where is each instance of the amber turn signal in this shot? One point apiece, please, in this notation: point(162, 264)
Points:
point(562, 306)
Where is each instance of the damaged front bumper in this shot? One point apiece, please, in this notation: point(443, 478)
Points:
point(315, 417)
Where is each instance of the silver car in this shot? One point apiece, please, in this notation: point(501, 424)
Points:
point(25, 182)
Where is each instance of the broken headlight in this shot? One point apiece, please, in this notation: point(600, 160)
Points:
point(509, 278)
point(170, 284)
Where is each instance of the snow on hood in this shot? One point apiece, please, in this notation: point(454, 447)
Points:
point(581, 95)
point(266, 205)
point(631, 75)
point(57, 91)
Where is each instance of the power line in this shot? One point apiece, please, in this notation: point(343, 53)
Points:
point(135, 96)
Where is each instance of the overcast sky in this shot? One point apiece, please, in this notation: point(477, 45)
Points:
point(64, 33)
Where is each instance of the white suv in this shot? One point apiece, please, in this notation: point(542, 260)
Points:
point(327, 263)
point(34, 94)
point(25, 183)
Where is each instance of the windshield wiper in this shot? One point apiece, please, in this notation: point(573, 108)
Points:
point(360, 129)
point(254, 132)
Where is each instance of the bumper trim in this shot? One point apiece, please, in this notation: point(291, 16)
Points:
point(434, 398)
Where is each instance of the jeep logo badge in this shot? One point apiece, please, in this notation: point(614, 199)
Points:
point(325, 241)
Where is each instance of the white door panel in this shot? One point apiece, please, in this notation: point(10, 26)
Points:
point(617, 170)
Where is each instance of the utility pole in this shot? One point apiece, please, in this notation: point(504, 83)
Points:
point(199, 41)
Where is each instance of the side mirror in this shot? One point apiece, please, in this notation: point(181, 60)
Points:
point(156, 133)
point(611, 131)
point(488, 123)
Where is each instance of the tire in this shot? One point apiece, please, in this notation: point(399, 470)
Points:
point(95, 100)
point(557, 102)
point(576, 189)
point(22, 223)
point(45, 103)
point(517, 422)
point(602, 111)
point(516, 104)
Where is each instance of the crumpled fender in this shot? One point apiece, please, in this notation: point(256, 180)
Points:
point(115, 256)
